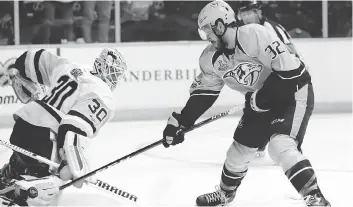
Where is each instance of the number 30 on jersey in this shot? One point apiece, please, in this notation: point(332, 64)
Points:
point(96, 109)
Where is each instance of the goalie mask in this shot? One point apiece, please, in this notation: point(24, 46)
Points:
point(110, 66)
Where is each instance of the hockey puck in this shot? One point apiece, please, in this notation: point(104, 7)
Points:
point(32, 192)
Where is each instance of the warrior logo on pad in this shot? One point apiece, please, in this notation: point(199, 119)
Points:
point(245, 73)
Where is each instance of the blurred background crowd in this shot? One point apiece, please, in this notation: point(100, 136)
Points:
point(77, 22)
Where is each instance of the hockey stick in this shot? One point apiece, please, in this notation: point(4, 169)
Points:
point(202, 123)
point(97, 184)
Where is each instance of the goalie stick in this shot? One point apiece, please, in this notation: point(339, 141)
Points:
point(97, 183)
point(202, 123)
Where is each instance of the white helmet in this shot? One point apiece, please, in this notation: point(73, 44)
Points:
point(110, 66)
point(212, 15)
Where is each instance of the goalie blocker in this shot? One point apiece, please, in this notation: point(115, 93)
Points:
point(73, 163)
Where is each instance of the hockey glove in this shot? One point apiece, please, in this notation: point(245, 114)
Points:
point(74, 163)
point(25, 90)
point(251, 102)
point(170, 136)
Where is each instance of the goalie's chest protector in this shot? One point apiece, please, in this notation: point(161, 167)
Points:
point(69, 86)
point(239, 71)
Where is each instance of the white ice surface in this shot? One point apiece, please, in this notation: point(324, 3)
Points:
point(177, 175)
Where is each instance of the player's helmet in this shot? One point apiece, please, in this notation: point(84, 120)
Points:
point(249, 5)
point(250, 11)
point(215, 17)
point(110, 66)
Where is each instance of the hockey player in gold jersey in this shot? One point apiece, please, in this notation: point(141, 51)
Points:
point(250, 12)
point(78, 102)
point(279, 101)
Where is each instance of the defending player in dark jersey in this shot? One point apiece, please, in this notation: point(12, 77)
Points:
point(250, 12)
point(279, 101)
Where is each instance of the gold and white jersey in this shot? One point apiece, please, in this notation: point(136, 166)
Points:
point(245, 68)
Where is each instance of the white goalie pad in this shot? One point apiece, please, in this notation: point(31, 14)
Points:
point(41, 191)
point(74, 154)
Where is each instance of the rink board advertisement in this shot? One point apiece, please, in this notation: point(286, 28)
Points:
point(160, 74)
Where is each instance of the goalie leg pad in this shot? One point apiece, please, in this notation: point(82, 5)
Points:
point(38, 191)
point(73, 155)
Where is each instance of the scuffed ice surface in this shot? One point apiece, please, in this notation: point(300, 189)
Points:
point(176, 176)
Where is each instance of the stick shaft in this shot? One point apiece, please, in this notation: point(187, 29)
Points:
point(98, 184)
point(126, 157)
point(214, 118)
point(29, 154)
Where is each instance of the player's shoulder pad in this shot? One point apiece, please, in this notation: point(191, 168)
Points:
point(207, 53)
point(212, 59)
point(100, 89)
point(79, 71)
point(206, 58)
point(248, 36)
point(108, 99)
point(29, 57)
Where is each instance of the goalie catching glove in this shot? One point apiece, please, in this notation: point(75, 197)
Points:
point(25, 90)
point(73, 163)
point(170, 133)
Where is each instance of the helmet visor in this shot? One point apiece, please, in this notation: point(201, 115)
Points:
point(205, 32)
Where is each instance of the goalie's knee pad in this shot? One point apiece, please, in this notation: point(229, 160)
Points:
point(73, 154)
point(238, 157)
point(283, 151)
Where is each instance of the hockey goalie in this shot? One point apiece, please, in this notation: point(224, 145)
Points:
point(79, 101)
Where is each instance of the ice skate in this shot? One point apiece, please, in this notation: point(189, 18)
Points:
point(217, 198)
point(316, 199)
point(4, 179)
point(7, 202)
point(6, 189)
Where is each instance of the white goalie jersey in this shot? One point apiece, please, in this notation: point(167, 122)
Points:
point(75, 97)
